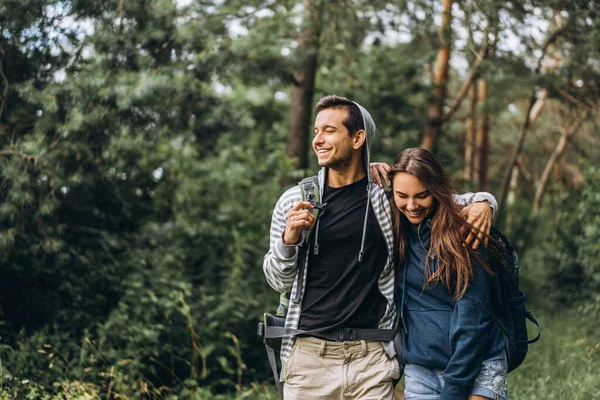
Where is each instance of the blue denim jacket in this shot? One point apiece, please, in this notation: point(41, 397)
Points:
point(439, 332)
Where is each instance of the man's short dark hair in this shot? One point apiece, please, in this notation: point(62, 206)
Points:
point(353, 122)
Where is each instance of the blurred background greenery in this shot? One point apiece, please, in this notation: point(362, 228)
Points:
point(143, 144)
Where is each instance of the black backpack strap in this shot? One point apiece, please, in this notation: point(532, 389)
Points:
point(272, 344)
point(273, 363)
point(309, 187)
point(531, 318)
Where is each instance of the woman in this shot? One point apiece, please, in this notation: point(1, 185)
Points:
point(452, 347)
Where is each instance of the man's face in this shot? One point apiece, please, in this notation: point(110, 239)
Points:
point(332, 142)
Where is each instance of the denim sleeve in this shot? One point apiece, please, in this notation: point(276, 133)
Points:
point(470, 337)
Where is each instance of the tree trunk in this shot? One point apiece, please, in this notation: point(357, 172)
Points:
point(535, 106)
point(303, 86)
point(470, 136)
point(512, 195)
point(436, 108)
point(565, 138)
point(4, 93)
point(482, 136)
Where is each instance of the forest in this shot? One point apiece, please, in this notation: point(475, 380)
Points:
point(144, 143)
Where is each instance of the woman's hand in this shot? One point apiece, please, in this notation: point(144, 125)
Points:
point(479, 215)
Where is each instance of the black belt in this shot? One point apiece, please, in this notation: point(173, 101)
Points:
point(349, 334)
point(273, 328)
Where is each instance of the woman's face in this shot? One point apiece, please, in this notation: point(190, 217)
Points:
point(412, 198)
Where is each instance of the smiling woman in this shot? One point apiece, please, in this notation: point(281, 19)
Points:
point(412, 197)
point(445, 290)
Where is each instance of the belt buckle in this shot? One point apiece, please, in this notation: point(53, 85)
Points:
point(345, 334)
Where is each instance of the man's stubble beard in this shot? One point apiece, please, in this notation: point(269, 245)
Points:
point(340, 164)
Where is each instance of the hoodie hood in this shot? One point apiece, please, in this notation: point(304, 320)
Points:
point(370, 129)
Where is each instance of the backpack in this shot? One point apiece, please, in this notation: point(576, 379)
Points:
point(269, 330)
point(309, 187)
point(272, 328)
point(508, 303)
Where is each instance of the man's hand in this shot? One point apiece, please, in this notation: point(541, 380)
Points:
point(380, 168)
point(479, 215)
point(299, 217)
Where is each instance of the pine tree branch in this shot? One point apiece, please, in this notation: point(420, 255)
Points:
point(551, 39)
point(535, 106)
point(26, 156)
point(467, 83)
point(4, 81)
point(479, 57)
point(228, 16)
point(568, 131)
point(573, 100)
point(524, 171)
point(527, 123)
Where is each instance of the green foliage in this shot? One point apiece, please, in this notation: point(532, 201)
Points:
point(560, 252)
point(563, 365)
point(587, 242)
point(142, 153)
point(576, 269)
point(136, 230)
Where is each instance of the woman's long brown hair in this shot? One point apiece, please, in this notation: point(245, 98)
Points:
point(453, 258)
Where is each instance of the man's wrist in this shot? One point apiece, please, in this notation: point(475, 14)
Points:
point(286, 242)
point(284, 251)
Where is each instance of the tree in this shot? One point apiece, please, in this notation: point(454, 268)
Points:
point(568, 131)
point(303, 86)
point(437, 115)
point(528, 122)
point(470, 125)
point(482, 136)
point(440, 78)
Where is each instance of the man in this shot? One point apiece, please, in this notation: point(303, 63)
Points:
point(342, 280)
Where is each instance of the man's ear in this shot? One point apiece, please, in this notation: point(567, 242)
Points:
point(359, 139)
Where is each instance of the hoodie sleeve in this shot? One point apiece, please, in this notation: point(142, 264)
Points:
point(280, 262)
point(470, 335)
point(469, 198)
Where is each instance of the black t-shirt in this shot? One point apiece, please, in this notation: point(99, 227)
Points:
point(340, 291)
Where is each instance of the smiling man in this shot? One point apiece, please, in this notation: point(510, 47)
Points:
point(342, 277)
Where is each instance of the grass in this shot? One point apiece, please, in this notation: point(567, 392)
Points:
point(564, 364)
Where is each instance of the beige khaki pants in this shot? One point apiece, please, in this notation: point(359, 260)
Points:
point(319, 369)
